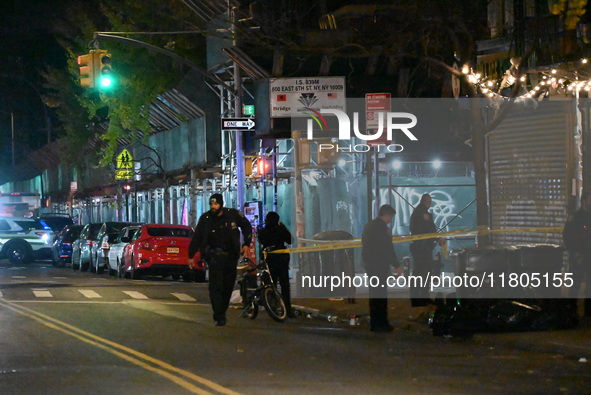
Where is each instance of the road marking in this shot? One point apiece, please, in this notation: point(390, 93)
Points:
point(88, 293)
point(188, 380)
point(183, 297)
point(17, 277)
point(1, 296)
point(42, 293)
point(60, 278)
point(135, 295)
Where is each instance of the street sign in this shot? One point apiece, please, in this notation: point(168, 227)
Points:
point(237, 124)
point(124, 165)
point(374, 104)
point(248, 109)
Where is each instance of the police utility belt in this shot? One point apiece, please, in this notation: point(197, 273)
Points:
point(219, 252)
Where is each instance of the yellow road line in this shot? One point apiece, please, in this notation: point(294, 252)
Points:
point(123, 352)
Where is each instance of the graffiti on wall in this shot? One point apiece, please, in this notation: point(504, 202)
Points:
point(443, 207)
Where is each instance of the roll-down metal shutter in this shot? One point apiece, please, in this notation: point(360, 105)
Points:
point(528, 159)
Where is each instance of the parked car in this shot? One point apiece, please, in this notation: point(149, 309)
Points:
point(62, 246)
point(106, 237)
point(82, 246)
point(158, 249)
point(56, 221)
point(25, 239)
point(116, 250)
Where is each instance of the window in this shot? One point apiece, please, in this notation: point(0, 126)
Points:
point(170, 232)
point(28, 225)
point(4, 225)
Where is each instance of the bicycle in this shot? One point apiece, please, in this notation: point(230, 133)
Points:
point(256, 287)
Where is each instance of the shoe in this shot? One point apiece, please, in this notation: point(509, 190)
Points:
point(220, 322)
point(382, 329)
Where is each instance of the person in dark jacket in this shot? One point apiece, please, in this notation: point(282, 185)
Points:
point(378, 255)
point(217, 238)
point(577, 240)
point(274, 235)
point(421, 222)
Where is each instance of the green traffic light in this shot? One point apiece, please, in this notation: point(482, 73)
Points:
point(106, 82)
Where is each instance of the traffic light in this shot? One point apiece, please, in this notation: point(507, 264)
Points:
point(328, 152)
point(104, 76)
point(96, 70)
point(86, 66)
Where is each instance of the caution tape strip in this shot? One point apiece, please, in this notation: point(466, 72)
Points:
point(355, 243)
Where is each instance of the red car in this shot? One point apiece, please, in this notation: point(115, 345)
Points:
point(161, 250)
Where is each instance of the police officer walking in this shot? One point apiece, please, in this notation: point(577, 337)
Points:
point(218, 239)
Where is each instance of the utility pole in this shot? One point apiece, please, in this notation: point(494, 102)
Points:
point(240, 174)
point(12, 132)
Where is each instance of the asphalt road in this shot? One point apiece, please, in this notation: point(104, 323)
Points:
point(65, 332)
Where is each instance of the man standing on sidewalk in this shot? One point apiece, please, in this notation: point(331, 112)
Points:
point(378, 254)
point(218, 239)
point(421, 222)
point(577, 240)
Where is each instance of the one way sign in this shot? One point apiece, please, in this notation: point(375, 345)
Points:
point(237, 123)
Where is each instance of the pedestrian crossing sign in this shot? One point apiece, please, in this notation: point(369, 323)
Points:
point(124, 166)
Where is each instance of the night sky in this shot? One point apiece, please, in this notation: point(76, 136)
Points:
point(28, 46)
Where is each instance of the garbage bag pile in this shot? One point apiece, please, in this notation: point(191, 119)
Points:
point(461, 317)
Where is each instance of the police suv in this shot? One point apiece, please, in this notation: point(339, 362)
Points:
point(24, 239)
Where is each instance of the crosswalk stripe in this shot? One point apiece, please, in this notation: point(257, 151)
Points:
point(135, 295)
point(89, 293)
point(19, 276)
point(42, 293)
point(183, 297)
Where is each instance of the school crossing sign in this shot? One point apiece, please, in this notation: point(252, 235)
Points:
point(124, 168)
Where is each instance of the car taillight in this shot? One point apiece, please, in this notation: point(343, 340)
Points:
point(105, 244)
point(89, 243)
point(44, 236)
point(145, 245)
point(65, 243)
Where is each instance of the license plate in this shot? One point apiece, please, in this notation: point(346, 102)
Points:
point(172, 250)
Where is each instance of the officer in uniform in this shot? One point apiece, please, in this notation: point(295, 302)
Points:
point(217, 237)
point(577, 240)
point(421, 222)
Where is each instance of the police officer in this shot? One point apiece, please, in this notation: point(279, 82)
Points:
point(378, 255)
point(275, 236)
point(577, 240)
point(421, 222)
point(218, 239)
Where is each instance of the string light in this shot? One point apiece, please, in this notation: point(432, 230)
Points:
point(551, 78)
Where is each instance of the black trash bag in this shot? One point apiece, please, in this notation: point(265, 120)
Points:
point(459, 317)
point(533, 315)
point(468, 316)
point(513, 316)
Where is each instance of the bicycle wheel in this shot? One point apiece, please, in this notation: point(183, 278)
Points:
point(274, 304)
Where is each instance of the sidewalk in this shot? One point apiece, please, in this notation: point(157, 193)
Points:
point(572, 343)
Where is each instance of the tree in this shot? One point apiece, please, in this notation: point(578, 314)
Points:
point(141, 75)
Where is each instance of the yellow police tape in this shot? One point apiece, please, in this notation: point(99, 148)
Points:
point(344, 244)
